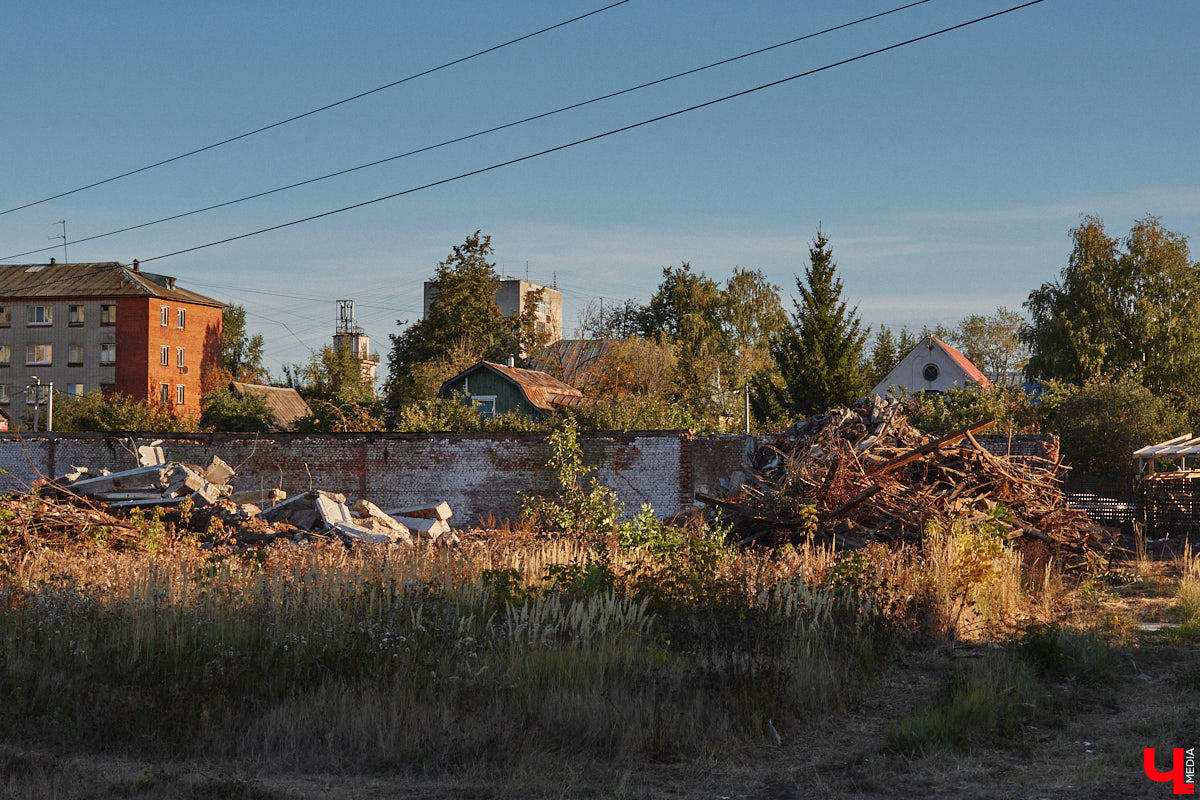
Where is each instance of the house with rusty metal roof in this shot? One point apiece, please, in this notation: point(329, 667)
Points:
point(498, 389)
point(81, 327)
point(931, 366)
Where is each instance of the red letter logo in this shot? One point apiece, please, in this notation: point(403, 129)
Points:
point(1176, 775)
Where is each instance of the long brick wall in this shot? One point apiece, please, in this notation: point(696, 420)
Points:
point(478, 474)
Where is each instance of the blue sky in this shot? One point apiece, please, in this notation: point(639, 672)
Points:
point(946, 174)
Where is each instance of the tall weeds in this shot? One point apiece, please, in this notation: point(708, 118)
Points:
point(319, 658)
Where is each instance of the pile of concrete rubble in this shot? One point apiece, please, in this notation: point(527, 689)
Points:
point(202, 501)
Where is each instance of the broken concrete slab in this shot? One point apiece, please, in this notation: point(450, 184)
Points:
point(365, 509)
point(149, 455)
point(425, 528)
point(218, 472)
point(437, 511)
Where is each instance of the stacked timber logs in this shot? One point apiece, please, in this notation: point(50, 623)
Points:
point(861, 474)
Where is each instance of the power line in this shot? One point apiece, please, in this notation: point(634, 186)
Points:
point(282, 122)
point(597, 136)
point(484, 132)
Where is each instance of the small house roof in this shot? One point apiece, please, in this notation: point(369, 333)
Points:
point(543, 391)
point(286, 405)
point(970, 369)
point(101, 279)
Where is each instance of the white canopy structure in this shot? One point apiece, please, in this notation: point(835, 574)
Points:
point(1180, 447)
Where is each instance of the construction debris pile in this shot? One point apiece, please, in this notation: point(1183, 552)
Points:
point(861, 474)
point(200, 500)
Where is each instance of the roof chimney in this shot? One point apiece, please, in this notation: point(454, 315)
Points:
point(52, 262)
point(512, 362)
point(135, 265)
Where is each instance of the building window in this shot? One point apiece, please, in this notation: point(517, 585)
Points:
point(107, 389)
point(179, 394)
point(180, 318)
point(164, 355)
point(4, 398)
point(39, 354)
point(179, 356)
point(108, 314)
point(108, 354)
point(486, 403)
point(75, 315)
point(164, 315)
point(5, 316)
point(5, 355)
point(931, 372)
point(40, 315)
point(164, 393)
point(74, 389)
point(75, 355)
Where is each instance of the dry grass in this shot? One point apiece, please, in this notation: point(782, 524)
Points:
point(498, 661)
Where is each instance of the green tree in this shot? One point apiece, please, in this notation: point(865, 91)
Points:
point(463, 322)
point(222, 410)
point(1119, 306)
point(1102, 421)
point(991, 342)
point(338, 390)
point(241, 354)
point(719, 335)
point(819, 354)
point(884, 355)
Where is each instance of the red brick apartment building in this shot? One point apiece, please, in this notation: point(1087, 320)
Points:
point(103, 326)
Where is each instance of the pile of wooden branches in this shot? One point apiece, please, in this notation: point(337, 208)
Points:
point(861, 474)
point(29, 522)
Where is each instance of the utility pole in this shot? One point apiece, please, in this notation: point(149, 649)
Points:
point(62, 222)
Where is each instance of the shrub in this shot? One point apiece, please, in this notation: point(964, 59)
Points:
point(222, 410)
point(1101, 422)
point(584, 511)
point(958, 408)
point(96, 411)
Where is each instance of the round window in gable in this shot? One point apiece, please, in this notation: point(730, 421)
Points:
point(930, 372)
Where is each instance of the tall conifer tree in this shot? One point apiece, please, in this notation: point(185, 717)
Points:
point(820, 354)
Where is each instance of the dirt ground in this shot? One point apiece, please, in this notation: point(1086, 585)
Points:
point(1092, 750)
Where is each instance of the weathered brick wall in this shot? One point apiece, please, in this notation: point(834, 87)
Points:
point(478, 474)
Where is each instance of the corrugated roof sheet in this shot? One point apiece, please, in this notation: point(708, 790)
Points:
point(94, 279)
point(286, 405)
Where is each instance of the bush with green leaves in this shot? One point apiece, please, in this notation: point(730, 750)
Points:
point(457, 414)
point(1100, 423)
point(960, 407)
point(585, 511)
point(96, 411)
point(222, 410)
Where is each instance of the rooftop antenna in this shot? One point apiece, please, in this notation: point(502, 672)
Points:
point(346, 323)
point(527, 272)
point(62, 222)
point(555, 286)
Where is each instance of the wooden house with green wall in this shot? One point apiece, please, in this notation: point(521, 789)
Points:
point(498, 389)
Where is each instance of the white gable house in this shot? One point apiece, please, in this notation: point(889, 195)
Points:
point(931, 366)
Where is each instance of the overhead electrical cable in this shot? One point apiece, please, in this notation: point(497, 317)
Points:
point(326, 107)
point(597, 136)
point(464, 138)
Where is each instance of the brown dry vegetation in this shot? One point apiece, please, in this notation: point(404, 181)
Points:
point(651, 665)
